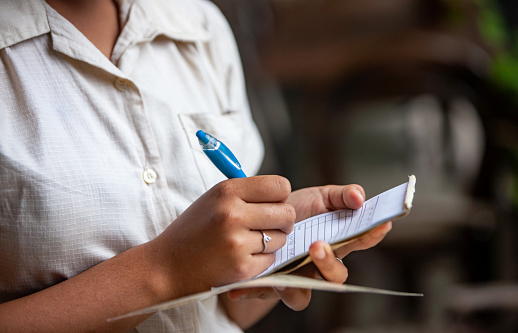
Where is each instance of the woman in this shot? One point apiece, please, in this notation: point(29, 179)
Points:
point(107, 203)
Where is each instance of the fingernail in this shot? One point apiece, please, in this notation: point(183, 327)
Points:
point(360, 194)
point(280, 288)
point(320, 253)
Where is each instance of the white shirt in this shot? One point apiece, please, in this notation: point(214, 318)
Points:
point(98, 156)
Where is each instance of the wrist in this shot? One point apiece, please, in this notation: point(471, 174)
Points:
point(159, 277)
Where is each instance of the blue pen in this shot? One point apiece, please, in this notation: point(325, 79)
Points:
point(220, 155)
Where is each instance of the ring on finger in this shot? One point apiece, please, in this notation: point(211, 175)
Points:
point(340, 260)
point(266, 239)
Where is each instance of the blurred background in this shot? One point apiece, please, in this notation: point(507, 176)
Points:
point(369, 92)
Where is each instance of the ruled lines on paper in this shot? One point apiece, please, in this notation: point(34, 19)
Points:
point(329, 227)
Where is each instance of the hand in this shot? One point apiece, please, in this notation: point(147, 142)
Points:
point(309, 202)
point(217, 240)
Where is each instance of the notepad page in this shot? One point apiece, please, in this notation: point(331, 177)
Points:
point(340, 225)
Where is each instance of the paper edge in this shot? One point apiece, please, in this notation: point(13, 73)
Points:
point(410, 192)
point(289, 281)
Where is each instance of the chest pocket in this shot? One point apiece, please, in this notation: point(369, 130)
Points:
point(229, 128)
point(232, 125)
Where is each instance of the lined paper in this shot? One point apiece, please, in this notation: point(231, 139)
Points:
point(340, 226)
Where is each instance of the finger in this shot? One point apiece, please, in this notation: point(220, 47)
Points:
point(341, 197)
point(353, 196)
point(256, 189)
point(263, 216)
point(368, 240)
point(294, 298)
point(270, 242)
point(325, 260)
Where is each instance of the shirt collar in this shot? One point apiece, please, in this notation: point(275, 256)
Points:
point(21, 20)
point(178, 20)
point(24, 19)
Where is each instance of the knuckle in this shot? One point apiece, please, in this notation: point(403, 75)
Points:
point(290, 217)
point(234, 243)
point(291, 214)
point(227, 215)
point(223, 189)
point(283, 185)
point(221, 215)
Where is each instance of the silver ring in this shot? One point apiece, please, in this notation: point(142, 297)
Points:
point(266, 239)
point(340, 260)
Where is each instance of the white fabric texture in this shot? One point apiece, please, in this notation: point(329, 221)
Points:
point(82, 137)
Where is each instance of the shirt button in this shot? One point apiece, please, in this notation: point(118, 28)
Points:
point(149, 176)
point(121, 84)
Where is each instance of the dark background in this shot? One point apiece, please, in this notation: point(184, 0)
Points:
point(368, 92)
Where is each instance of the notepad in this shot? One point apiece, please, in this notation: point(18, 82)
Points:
point(341, 227)
point(338, 228)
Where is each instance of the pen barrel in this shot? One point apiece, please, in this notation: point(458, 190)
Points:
point(220, 155)
point(226, 163)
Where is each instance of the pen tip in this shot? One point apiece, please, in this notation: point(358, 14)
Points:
point(202, 136)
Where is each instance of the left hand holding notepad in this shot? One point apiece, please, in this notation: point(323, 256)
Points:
point(310, 202)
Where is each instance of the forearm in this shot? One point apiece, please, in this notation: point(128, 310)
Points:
point(85, 302)
point(246, 313)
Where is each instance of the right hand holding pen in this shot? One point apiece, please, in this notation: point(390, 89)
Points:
point(218, 239)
